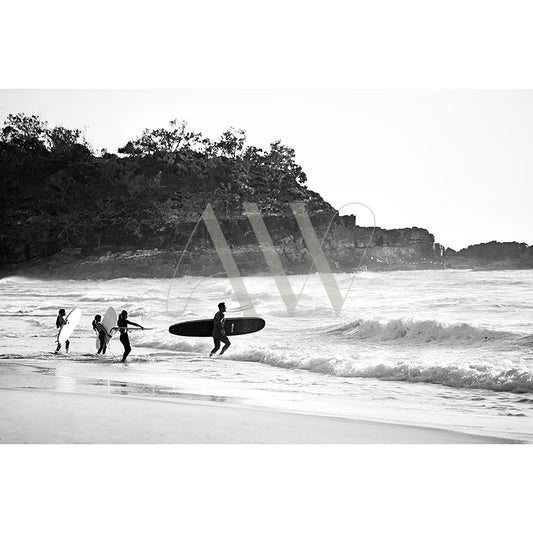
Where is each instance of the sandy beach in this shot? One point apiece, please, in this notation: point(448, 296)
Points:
point(78, 418)
point(85, 418)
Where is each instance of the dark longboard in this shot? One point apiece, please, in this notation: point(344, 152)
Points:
point(204, 328)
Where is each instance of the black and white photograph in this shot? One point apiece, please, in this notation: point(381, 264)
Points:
point(274, 263)
point(236, 276)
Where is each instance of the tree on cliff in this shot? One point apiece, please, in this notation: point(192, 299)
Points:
point(162, 141)
point(282, 167)
point(231, 144)
point(31, 134)
point(50, 179)
point(28, 133)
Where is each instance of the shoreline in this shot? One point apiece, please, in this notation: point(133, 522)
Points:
point(44, 273)
point(52, 417)
point(49, 274)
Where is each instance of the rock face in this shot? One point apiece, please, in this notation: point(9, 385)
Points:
point(184, 250)
point(346, 246)
point(497, 251)
point(407, 248)
point(491, 255)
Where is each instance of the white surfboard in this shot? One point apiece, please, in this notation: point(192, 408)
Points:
point(72, 321)
point(109, 322)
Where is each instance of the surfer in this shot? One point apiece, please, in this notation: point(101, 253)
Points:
point(102, 334)
point(60, 322)
point(123, 323)
point(219, 334)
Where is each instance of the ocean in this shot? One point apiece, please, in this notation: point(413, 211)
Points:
point(438, 348)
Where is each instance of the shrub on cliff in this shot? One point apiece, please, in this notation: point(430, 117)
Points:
point(55, 189)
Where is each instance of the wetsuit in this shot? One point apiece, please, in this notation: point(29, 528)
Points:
point(124, 339)
point(60, 322)
point(102, 336)
point(219, 333)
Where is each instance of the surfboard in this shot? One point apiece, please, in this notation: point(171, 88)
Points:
point(204, 328)
point(72, 321)
point(109, 322)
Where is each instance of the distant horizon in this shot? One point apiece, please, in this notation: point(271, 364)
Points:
point(456, 163)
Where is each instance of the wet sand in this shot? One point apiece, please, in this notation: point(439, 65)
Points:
point(30, 416)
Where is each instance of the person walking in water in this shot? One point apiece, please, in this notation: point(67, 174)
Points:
point(219, 333)
point(123, 323)
point(60, 322)
point(103, 335)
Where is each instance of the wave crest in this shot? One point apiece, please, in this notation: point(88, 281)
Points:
point(471, 376)
point(409, 331)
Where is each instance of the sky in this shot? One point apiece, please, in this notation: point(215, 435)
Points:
point(456, 162)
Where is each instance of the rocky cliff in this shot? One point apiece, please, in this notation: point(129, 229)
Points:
point(68, 212)
point(346, 246)
point(490, 256)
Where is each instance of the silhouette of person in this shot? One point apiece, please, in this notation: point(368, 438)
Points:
point(60, 322)
point(219, 333)
point(123, 323)
point(102, 334)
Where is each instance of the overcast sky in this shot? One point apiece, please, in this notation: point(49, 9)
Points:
point(458, 163)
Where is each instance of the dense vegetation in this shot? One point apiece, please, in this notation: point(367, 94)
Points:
point(55, 189)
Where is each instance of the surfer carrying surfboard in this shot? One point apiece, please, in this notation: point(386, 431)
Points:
point(60, 322)
point(123, 323)
point(102, 334)
point(219, 333)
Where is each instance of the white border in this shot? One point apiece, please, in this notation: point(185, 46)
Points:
point(264, 45)
point(439, 488)
point(237, 44)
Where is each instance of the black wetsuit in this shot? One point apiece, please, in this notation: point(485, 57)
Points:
point(219, 333)
point(101, 336)
point(124, 339)
point(60, 322)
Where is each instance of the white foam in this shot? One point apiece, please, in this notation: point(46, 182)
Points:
point(409, 331)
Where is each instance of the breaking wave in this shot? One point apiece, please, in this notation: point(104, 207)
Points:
point(406, 331)
point(467, 376)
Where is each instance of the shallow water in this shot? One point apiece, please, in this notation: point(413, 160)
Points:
point(449, 349)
